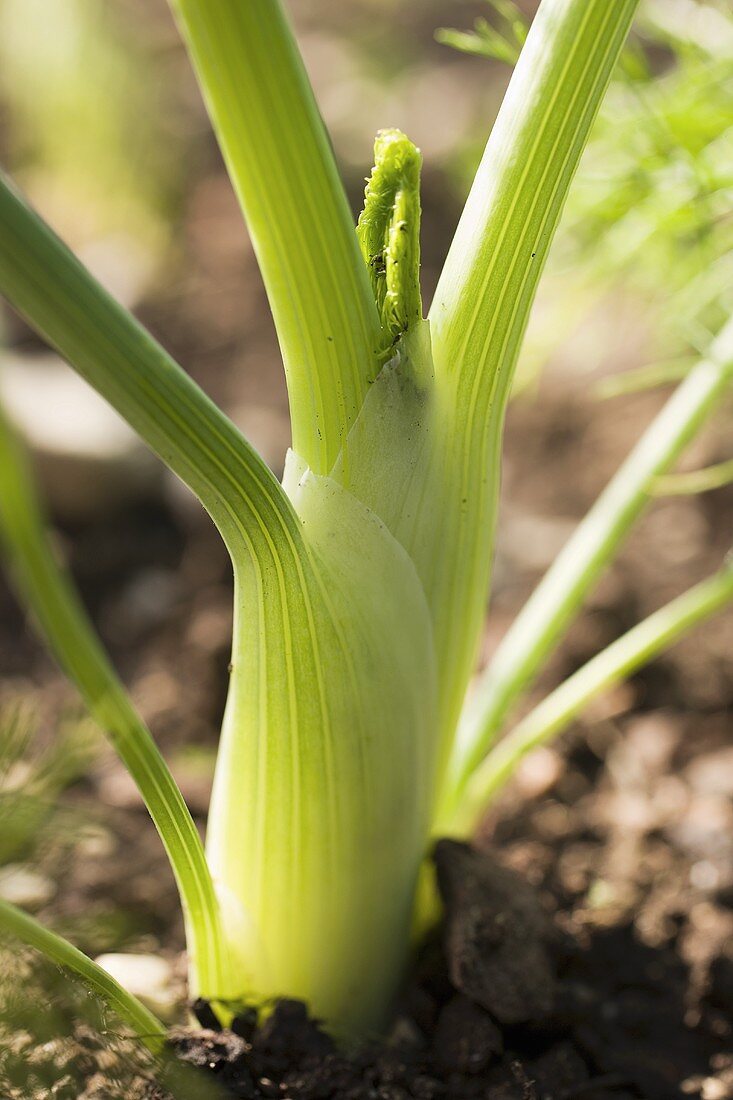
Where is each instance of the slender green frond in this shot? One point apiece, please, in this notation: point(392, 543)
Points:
point(177, 1079)
point(558, 598)
point(696, 481)
point(282, 167)
point(502, 43)
point(103, 342)
point(620, 660)
point(143, 1024)
point(389, 233)
point(48, 591)
point(640, 379)
point(485, 292)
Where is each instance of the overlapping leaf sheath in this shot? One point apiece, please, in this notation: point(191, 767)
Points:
point(326, 769)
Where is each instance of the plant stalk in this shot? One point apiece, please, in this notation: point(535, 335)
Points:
point(559, 596)
point(283, 169)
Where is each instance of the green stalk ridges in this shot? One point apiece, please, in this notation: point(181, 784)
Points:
point(284, 172)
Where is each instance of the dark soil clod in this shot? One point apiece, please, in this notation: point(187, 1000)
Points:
point(495, 935)
point(500, 1006)
point(205, 1014)
point(466, 1039)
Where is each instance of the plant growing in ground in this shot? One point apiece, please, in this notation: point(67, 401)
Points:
point(361, 581)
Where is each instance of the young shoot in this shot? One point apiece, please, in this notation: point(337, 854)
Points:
point(361, 582)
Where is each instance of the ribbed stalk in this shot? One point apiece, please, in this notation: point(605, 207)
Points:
point(283, 170)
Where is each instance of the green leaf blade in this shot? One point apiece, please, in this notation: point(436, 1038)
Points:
point(26, 928)
point(45, 282)
point(63, 622)
point(617, 662)
point(559, 596)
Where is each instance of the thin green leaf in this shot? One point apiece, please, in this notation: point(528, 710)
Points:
point(502, 43)
point(620, 660)
point(696, 481)
point(181, 1081)
point(63, 622)
point(142, 1022)
point(480, 308)
point(46, 284)
point(482, 42)
point(560, 595)
point(641, 379)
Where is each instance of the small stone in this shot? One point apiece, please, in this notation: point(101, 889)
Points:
point(646, 749)
point(704, 875)
point(87, 456)
point(538, 772)
point(96, 842)
point(712, 773)
point(148, 977)
point(466, 1038)
point(705, 830)
point(22, 886)
point(213, 1050)
point(496, 935)
point(715, 1089)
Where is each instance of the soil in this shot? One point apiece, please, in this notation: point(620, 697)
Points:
point(510, 1002)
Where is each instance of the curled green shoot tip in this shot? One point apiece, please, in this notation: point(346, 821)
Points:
point(389, 232)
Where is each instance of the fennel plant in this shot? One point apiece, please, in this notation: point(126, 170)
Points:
point(360, 583)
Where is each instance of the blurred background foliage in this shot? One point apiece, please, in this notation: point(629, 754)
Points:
point(650, 218)
point(101, 124)
point(85, 131)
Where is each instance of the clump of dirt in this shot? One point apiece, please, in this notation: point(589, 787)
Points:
point(504, 1003)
